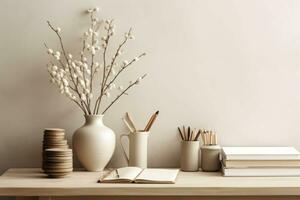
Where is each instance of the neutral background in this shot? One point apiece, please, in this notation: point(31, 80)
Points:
point(231, 66)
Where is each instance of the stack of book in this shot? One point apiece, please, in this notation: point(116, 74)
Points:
point(260, 161)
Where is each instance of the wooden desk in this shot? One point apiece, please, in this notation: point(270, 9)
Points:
point(33, 184)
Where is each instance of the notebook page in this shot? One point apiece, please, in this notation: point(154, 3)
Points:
point(125, 173)
point(128, 172)
point(158, 175)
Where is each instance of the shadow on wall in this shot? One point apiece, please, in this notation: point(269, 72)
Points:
point(29, 104)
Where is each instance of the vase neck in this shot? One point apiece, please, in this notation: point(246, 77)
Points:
point(94, 119)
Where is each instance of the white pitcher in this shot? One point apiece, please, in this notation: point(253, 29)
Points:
point(138, 142)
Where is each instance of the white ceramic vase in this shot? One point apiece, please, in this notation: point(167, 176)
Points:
point(94, 143)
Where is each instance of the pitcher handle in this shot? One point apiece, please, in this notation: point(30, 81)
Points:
point(124, 152)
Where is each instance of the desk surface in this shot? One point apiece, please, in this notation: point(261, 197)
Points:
point(32, 182)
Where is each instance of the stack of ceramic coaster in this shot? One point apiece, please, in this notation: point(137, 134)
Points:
point(54, 138)
point(57, 157)
point(58, 162)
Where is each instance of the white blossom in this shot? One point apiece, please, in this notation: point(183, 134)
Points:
point(66, 83)
point(95, 41)
point(121, 88)
point(96, 9)
point(95, 21)
point(107, 94)
point(112, 86)
point(113, 72)
point(57, 57)
point(74, 76)
point(53, 73)
point(85, 66)
point(136, 59)
point(49, 51)
point(81, 82)
point(119, 52)
point(58, 29)
point(93, 51)
point(83, 97)
point(54, 67)
point(90, 10)
point(90, 95)
point(87, 91)
point(87, 45)
point(125, 62)
point(139, 80)
point(70, 56)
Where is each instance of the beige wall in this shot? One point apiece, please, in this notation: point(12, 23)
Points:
point(233, 66)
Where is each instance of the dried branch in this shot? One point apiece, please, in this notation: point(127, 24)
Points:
point(115, 57)
point(65, 55)
point(122, 69)
point(75, 79)
point(98, 101)
point(123, 92)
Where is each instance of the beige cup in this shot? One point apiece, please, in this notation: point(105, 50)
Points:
point(210, 161)
point(189, 158)
point(138, 142)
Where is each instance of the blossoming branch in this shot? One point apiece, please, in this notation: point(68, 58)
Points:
point(76, 77)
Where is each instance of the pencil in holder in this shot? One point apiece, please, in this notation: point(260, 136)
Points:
point(210, 161)
point(189, 158)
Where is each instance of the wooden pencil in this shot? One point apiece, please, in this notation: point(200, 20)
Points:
point(128, 126)
point(184, 133)
point(130, 121)
point(181, 135)
point(197, 136)
point(189, 134)
point(151, 121)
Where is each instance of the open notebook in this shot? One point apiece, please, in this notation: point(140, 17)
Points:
point(139, 175)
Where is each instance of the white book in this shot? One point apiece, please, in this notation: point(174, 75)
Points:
point(260, 163)
point(261, 172)
point(260, 153)
point(139, 175)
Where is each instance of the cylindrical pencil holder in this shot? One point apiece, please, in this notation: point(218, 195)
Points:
point(210, 161)
point(138, 142)
point(189, 158)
